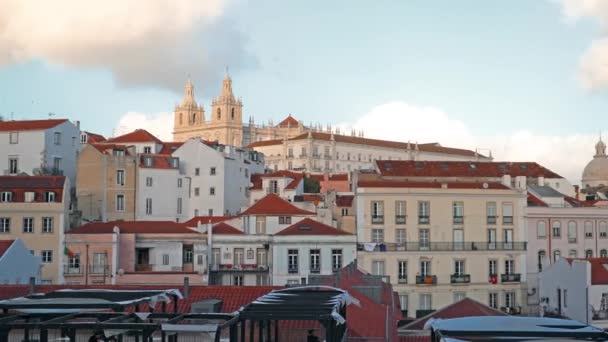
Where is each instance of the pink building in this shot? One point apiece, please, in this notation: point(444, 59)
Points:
point(135, 252)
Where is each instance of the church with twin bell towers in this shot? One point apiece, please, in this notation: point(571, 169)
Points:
point(224, 123)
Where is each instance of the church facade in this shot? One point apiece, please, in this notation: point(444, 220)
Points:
point(225, 121)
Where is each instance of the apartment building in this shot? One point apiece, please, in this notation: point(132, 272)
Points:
point(286, 184)
point(39, 147)
point(343, 211)
point(135, 252)
point(34, 209)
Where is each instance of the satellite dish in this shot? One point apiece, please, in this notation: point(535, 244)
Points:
point(485, 185)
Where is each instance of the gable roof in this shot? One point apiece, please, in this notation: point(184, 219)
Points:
point(383, 183)
point(137, 136)
point(159, 161)
point(289, 121)
point(309, 226)
point(94, 138)
point(32, 182)
point(103, 147)
point(193, 222)
point(274, 205)
point(257, 178)
point(466, 307)
point(29, 125)
point(534, 201)
point(411, 168)
point(4, 246)
point(265, 143)
point(134, 227)
point(599, 269)
point(225, 229)
point(170, 147)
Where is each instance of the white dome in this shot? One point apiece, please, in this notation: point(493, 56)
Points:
point(596, 171)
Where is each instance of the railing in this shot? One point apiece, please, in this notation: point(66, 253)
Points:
point(571, 240)
point(510, 278)
point(316, 155)
point(422, 313)
point(507, 220)
point(239, 268)
point(290, 156)
point(458, 219)
point(460, 278)
point(99, 269)
point(511, 310)
point(72, 270)
point(400, 219)
point(424, 220)
point(442, 246)
point(402, 280)
point(143, 267)
point(491, 219)
point(327, 156)
point(428, 279)
point(315, 269)
point(600, 315)
point(293, 270)
point(377, 219)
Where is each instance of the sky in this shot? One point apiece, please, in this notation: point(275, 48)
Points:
point(524, 79)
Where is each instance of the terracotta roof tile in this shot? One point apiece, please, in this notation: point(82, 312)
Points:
point(383, 183)
point(193, 222)
point(137, 136)
point(410, 168)
point(104, 147)
point(339, 177)
point(134, 227)
point(94, 138)
point(19, 185)
point(534, 201)
point(344, 200)
point(170, 147)
point(309, 226)
point(29, 125)
point(289, 121)
point(226, 229)
point(274, 205)
point(257, 178)
point(265, 143)
point(599, 271)
point(158, 161)
point(4, 245)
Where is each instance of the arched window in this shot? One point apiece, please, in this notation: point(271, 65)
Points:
point(181, 119)
point(603, 229)
point(232, 113)
point(194, 118)
point(541, 260)
point(219, 114)
point(603, 253)
point(557, 229)
point(571, 231)
point(556, 255)
point(588, 229)
point(572, 253)
point(588, 254)
point(541, 229)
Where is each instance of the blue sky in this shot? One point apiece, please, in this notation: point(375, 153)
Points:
point(496, 68)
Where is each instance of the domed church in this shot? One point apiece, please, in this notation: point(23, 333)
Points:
point(595, 173)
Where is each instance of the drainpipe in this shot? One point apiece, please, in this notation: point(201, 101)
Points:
point(86, 268)
point(550, 237)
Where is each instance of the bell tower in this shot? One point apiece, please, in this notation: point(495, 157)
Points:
point(189, 117)
point(227, 115)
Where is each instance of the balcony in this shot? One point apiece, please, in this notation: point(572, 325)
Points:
point(402, 280)
point(426, 280)
point(239, 268)
point(460, 278)
point(327, 156)
point(293, 269)
point(143, 267)
point(99, 269)
point(491, 220)
point(458, 219)
point(511, 310)
point(316, 155)
point(400, 219)
point(72, 270)
point(290, 156)
point(442, 246)
point(422, 313)
point(377, 219)
point(510, 278)
point(315, 269)
point(507, 220)
point(424, 220)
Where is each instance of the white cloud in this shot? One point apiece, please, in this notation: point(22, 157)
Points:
point(161, 124)
point(152, 43)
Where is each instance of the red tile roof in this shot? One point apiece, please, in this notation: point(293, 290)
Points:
point(339, 177)
point(599, 269)
point(463, 308)
point(134, 227)
point(159, 161)
point(534, 201)
point(289, 121)
point(273, 205)
point(170, 147)
point(104, 147)
point(29, 125)
point(265, 143)
point(193, 222)
point(4, 246)
point(257, 178)
point(344, 200)
point(94, 138)
point(311, 198)
point(383, 183)
point(19, 185)
point(410, 168)
point(226, 229)
point(309, 226)
point(137, 136)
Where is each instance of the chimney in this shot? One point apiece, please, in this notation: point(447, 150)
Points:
point(186, 287)
point(577, 192)
point(32, 286)
point(541, 181)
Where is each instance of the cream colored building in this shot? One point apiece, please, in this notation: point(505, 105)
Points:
point(35, 209)
point(595, 173)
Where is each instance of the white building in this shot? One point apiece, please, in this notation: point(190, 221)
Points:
point(577, 289)
point(286, 184)
point(38, 147)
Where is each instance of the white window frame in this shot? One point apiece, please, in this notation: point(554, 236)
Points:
point(336, 259)
point(47, 224)
point(148, 206)
point(400, 236)
point(13, 165)
point(6, 196)
point(13, 138)
point(378, 267)
point(377, 235)
point(120, 177)
point(5, 224)
point(149, 181)
point(120, 202)
point(402, 270)
point(47, 256)
point(28, 225)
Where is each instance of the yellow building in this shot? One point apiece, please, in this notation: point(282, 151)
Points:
point(35, 209)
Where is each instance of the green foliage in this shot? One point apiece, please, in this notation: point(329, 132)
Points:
point(311, 186)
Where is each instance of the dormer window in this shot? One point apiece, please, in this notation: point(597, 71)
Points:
point(175, 162)
point(83, 138)
point(118, 153)
point(49, 196)
point(148, 161)
point(6, 196)
point(30, 196)
point(147, 149)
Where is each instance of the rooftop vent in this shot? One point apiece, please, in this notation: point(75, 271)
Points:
point(210, 305)
point(304, 228)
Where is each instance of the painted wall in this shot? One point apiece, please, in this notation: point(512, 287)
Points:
point(18, 265)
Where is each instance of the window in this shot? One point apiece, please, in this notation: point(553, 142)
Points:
point(378, 235)
point(344, 211)
point(400, 212)
point(237, 280)
point(492, 267)
point(165, 259)
point(458, 296)
point(572, 232)
point(28, 224)
point(118, 153)
point(120, 202)
point(326, 151)
point(403, 302)
point(565, 298)
point(378, 267)
point(212, 171)
point(557, 229)
point(239, 256)
point(30, 196)
point(56, 164)
point(572, 253)
point(47, 256)
point(74, 263)
point(491, 238)
point(13, 137)
point(120, 177)
point(588, 230)
point(509, 266)
point(459, 267)
point(541, 260)
point(507, 213)
point(273, 187)
point(175, 162)
point(5, 224)
point(179, 182)
point(424, 238)
point(179, 205)
point(458, 212)
point(509, 299)
point(49, 196)
point(541, 229)
point(147, 149)
point(210, 212)
point(47, 224)
point(215, 257)
point(556, 255)
point(284, 219)
point(292, 261)
point(493, 300)
point(400, 236)
point(148, 181)
point(197, 171)
point(315, 260)
point(260, 224)
point(219, 113)
point(57, 138)
point(212, 191)
point(425, 268)
point(148, 161)
point(458, 239)
point(424, 212)
point(377, 212)
point(261, 257)
point(13, 165)
point(402, 271)
point(261, 280)
point(148, 206)
point(195, 212)
point(588, 254)
point(303, 152)
point(6, 196)
point(290, 152)
point(603, 229)
point(197, 192)
point(603, 253)
point(425, 301)
point(336, 259)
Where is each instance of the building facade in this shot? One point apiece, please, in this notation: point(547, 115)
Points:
point(35, 209)
point(17, 264)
